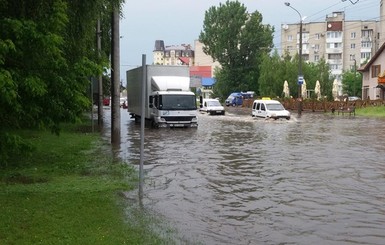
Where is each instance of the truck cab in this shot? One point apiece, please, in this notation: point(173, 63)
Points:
point(170, 104)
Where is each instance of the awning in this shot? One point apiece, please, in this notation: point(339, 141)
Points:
point(185, 60)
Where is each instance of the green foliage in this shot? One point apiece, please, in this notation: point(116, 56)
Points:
point(66, 192)
point(237, 40)
point(272, 71)
point(275, 70)
point(351, 83)
point(371, 111)
point(47, 56)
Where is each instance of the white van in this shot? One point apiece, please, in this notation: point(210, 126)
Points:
point(212, 106)
point(269, 109)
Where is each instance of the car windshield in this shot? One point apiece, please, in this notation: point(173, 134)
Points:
point(275, 107)
point(178, 102)
point(213, 103)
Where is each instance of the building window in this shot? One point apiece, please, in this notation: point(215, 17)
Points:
point(316, 58)
point(376, 69)
point(366, 34)
point(317, 36)
point(352, 35)
point(365, 55)
point(316, 46)
point(334, 56)
point(352, 45)
point(366, 44)
point(334, 34)
point(352, 57)
point(289, 38)
point(333, 67)
point(334, 45)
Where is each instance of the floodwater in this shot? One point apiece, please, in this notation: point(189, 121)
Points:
point(317, 179)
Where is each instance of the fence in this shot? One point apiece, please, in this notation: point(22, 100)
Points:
point(323, 106)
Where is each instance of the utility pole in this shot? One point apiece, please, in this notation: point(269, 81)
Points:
point(100, 90)
point(300, 75)
point(115, 78)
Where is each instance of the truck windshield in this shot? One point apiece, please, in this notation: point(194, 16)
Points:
point(177, 102)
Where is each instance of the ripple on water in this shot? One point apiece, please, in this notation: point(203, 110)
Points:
point(317, 179)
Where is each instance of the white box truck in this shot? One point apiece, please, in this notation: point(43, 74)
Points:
point(169, 101)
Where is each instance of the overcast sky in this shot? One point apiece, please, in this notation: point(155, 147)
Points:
point(180, 21)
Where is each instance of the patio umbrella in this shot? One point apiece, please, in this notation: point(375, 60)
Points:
point(304, 90)
point(286, 90)
point(335, 89)
point(317, 90)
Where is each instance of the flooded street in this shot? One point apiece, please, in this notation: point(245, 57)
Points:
point(318, 179)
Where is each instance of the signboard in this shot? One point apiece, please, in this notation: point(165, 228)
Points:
point(195, 82)
point(300, 80)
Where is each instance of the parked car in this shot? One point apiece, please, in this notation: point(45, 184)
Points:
point(353, 98)
point(269, 109)
point(237, 98)
point(212, 106)
point(106, 101)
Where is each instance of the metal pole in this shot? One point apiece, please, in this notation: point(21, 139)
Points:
point(299, 59)
point(100, 84)
point(354, 82)
point(300, 67)
point(142, 124)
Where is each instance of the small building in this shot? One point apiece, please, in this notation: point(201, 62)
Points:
point(373, 76)
point(173, 55)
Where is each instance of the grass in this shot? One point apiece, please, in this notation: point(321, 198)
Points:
point(68, 192)
point(375, 111)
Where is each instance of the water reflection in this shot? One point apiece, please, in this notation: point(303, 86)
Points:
point(318, 179)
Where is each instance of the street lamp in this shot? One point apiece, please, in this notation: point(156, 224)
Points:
point(300, 76)
point(354, 82)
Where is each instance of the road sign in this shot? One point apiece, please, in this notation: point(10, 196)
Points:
point(300, 80)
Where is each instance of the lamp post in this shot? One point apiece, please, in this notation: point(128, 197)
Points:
point(354, 82)
point(300, 76)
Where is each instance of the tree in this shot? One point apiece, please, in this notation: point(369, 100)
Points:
point(237, 40)
point(47, 56)
point(351, 83)
point(272, 75)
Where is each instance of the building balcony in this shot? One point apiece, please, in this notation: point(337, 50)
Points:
point(334, 40)
point(335, 61)
point(366, 50)
point(334, 50)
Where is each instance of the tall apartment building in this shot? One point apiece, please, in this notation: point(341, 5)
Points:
point(342, 43)
point(173, 55)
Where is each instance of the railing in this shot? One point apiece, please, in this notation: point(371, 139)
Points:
point(313, 105)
